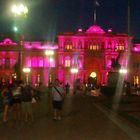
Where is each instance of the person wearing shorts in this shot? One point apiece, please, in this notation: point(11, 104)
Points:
point(57, 97)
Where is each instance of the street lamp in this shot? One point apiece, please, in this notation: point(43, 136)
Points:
point(27, 71)
point(49, 53)
point(19, 10)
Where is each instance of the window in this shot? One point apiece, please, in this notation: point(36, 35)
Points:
point(93, 46)
point(136, 80)
point(120, 45)
point(68, 45)
point(34, 62)
point(7, 63)
point(67, 62)
point(79, 45)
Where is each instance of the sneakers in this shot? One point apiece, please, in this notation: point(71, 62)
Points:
point(57, 118)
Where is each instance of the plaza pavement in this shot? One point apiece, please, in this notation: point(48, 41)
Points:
point(84, 118)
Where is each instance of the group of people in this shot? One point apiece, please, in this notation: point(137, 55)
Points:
point(17, 99)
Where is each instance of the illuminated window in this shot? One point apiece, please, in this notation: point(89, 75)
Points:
point(94, 47)
point(68, 45)
point(136, 80)
point(120, 46)
point(67, 62)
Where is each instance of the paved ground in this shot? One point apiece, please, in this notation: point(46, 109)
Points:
point(84, 118)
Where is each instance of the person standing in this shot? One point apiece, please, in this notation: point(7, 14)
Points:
point(16, 91)
point(57, 97)
point(26, 98)
point(67, 87)
point(7, 100)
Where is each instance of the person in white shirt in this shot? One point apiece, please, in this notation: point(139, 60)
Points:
point(57, 97)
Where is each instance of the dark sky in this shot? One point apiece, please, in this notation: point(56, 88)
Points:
point(47, 18)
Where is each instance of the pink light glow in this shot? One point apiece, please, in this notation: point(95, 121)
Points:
point(109, 30)
point(39, 45)
point(40, 61)
point(46, 62)
point(80, 30)
point(8, 41)
point(95, 29)
point(52, 63)
point(61, 62)
point(136, 48)
point(28, 62)
point(34, 62)
point(61, 74)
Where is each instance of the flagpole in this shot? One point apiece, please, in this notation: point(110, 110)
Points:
point(95, 16)
point(96, 4)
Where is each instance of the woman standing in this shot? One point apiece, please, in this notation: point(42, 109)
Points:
point(7, 100)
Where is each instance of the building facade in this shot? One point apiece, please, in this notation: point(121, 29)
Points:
point(76, 56)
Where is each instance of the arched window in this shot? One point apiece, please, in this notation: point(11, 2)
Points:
point(67, 61)
point(68, 45)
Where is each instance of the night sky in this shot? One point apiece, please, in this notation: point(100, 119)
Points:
point(47, 18)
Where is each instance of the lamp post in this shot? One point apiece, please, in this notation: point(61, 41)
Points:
point(49, 54)
point(19, 11)
point(27, 71)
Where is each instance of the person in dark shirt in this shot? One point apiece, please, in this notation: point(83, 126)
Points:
point(26, 98)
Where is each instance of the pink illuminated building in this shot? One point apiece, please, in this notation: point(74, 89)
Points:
point(76, 55)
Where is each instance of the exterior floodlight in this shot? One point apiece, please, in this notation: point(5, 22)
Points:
point(26, 70)
point(123, 71)
point(93, 75)
point(74, 70)
point(49, 52)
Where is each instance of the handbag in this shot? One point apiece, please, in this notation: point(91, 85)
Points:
point(33, 100)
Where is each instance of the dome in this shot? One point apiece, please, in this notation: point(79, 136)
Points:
point(95, 29)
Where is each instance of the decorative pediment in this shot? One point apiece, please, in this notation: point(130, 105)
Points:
point(8, 41)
